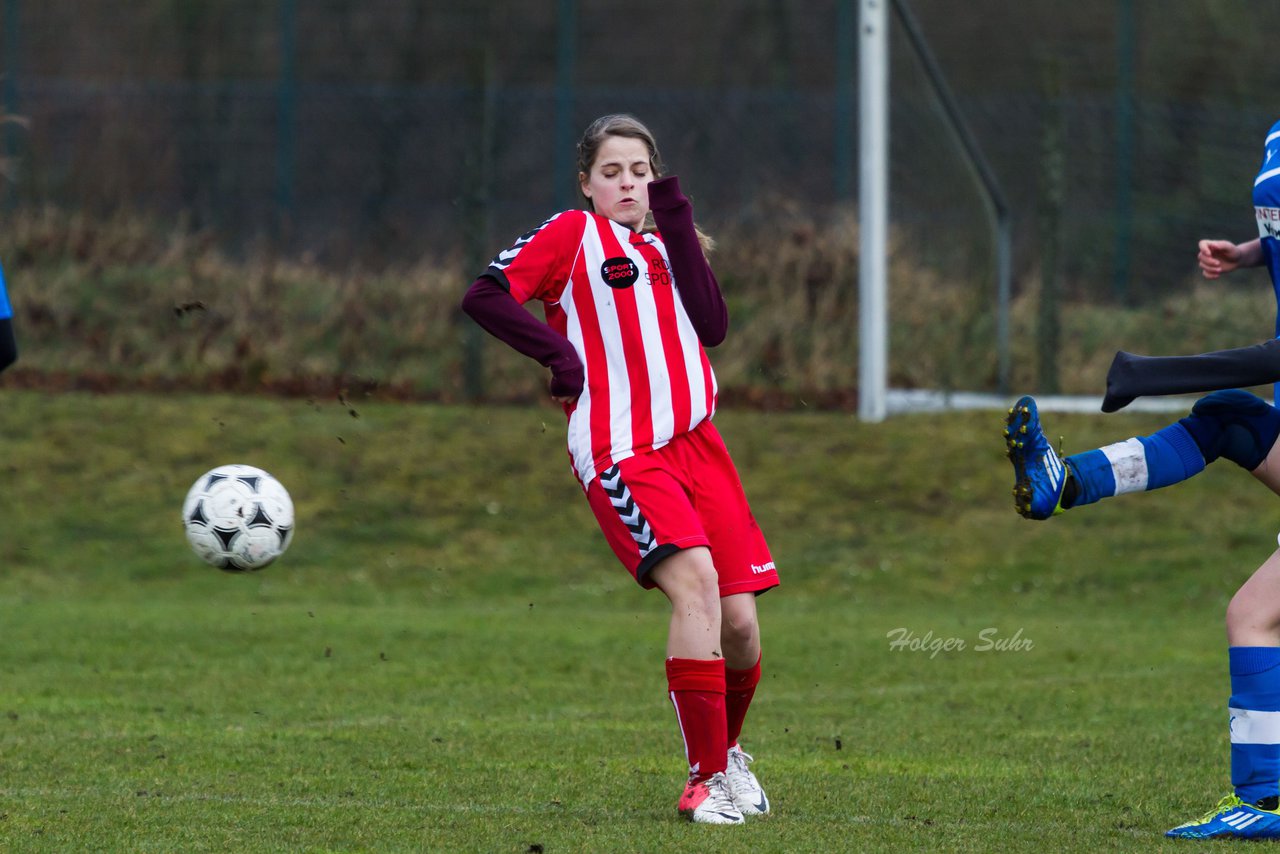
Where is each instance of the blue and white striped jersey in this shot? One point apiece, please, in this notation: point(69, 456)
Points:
point(1266, 207)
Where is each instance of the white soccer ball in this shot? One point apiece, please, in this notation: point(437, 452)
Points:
point(238, 518)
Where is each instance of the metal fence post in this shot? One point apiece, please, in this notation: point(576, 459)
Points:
point(846, 24)
point(12, 65)
point(1126, 42)
point(566, 69)
point(286, 124)
point(475, 206)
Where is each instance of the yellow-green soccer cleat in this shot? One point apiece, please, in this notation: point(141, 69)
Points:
point(1232, 818)
point(1039, 475)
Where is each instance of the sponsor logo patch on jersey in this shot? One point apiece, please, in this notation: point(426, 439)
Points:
point(620, 272)
point(1268, 221)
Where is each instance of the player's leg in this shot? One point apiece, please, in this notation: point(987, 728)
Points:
point(1231, 424)
point(1253, 638)
point(688, 578)
point(1045, 484)
point(740, 631)
point(649, 522)
point(740, 636)
point(696, 681)
point(1268, 470)
point(1253, 615)
point(745, 568)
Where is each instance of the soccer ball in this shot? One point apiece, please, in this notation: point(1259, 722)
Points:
point(238, 518)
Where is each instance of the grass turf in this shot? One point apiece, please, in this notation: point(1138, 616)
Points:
point(448, 658)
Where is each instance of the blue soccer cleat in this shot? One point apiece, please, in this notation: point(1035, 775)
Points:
point(1232, 818)
point(1039, 475)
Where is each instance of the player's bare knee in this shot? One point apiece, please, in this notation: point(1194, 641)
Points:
point(738, 633)
point(1246, 613)
point(1237, 614)
point(689, 575)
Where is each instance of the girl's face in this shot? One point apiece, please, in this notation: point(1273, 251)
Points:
point(618, 185)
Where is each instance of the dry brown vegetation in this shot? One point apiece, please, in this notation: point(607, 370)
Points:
point(126, 302)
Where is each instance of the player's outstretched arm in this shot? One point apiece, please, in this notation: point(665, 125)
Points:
point(1219, 257)
point(8, 344)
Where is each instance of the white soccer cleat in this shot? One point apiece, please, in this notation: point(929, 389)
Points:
point(744, 788)
point(709, 802)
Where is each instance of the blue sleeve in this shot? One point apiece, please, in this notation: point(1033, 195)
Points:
point(5, 309)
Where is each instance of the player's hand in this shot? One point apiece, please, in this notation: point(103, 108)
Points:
point(1218, 257)
point(566, 383)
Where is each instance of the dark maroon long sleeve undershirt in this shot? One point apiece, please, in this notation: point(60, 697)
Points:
point(498, 313)
point(699, 290)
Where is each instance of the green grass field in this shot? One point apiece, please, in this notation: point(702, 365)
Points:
point(449, 658)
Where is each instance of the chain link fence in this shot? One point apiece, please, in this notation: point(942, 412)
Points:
point(388, 131)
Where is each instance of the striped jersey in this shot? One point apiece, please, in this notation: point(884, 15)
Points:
point(610, 291)
point(1266, 209)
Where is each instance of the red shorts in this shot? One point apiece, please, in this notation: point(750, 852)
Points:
point(685, 494)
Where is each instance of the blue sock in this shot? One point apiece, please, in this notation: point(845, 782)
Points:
point(1255, 721)
point(1134, 465)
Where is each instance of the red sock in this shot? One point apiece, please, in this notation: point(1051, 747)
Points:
point(696, 688)
point(739, 688)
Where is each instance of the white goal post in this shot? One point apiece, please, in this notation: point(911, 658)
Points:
point(873, 208)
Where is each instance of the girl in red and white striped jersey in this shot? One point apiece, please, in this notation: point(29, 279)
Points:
point(630, 303)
